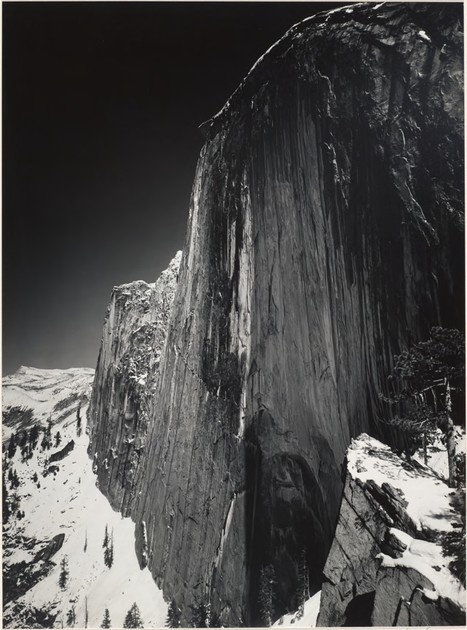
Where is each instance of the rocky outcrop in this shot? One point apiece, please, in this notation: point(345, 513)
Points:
point(50, 549)
point(62, 453)
point(325, 233)
point(386, 566)
point(126, 376)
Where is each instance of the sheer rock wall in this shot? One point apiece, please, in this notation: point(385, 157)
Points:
point(325, 233)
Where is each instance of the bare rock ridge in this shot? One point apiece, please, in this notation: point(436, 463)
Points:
point(325, 233)
point(386, 566)
point(126, 376)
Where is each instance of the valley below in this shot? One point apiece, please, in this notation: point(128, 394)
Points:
point(59, 517)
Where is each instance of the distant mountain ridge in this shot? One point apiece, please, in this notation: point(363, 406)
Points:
point(34, 395)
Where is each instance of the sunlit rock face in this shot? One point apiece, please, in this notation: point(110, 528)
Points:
point(126, 376)
point(325, 233)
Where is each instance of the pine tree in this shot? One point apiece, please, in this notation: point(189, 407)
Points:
point(23, 439)
point(133, 618)
point(215, 621)
point(71, 616)
point(265, 595)
point(78, 422)
point(12, 446)
point(173, 616)
point(28, 454)
point(15, 502)
point(200, 617)
point(34, 435)
point(106, 537)
point(5, 503)
point(109, 555)
point(424, 378)
point(15, 482)
point(106, 620)
point(64, 573)
point(208, 614)
point(303, 591)
point(109, 551)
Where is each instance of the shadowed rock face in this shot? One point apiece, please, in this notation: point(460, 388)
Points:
point(126, 375)
point(325, 233)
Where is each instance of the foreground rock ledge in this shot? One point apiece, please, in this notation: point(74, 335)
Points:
point(384, 567)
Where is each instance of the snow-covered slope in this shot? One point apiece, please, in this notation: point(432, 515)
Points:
point(65, 518)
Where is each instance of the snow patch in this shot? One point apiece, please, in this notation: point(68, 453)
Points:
point(427, 558)
point(310, 615)
point(422, 34)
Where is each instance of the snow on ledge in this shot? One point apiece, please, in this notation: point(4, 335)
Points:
point(424, 556)
point(427, 495)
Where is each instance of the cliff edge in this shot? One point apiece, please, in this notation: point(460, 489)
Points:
point(386, 566)
point(126, 375)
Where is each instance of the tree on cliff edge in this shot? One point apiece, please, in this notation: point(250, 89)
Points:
point(424, 378)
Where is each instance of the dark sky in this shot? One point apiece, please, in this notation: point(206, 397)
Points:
point(101, 107)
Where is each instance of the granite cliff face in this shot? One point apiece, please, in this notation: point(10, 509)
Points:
point(386, 566)
point(325, 233)
point(126, 376)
